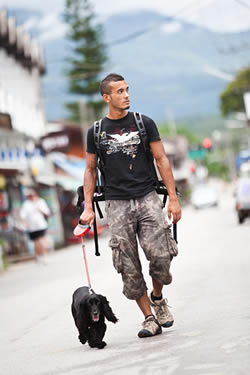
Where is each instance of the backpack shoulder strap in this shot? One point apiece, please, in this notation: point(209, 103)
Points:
point(97, 131)
point(144, 137)
point(99, 156)
point(99, 163)
point(142, 130)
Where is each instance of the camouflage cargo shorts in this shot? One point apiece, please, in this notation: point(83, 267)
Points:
point(142, 217)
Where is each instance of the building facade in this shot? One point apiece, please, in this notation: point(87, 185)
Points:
point(22, 123)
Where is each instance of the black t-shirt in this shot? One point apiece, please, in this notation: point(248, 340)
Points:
point(127, 171)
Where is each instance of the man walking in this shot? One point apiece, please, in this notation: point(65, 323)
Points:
point(132, 204)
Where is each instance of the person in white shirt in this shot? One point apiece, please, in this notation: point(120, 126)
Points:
point(34, 213)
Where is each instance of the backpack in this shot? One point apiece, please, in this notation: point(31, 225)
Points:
point(99, 191)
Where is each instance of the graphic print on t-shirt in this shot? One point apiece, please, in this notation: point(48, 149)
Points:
point(125, 141)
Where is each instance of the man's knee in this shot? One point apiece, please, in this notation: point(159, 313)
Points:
point(133, 287)
point(126, 261)
point(160, 269)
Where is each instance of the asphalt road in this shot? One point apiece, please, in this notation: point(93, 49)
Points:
point(209, 298)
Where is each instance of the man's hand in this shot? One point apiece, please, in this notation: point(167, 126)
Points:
point(174, 209)
point(87, 217)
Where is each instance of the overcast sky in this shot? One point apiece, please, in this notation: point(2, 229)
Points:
point(218, 15)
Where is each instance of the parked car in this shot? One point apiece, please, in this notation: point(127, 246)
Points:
point(204, 195)
point(243, 193)
point(243, 199)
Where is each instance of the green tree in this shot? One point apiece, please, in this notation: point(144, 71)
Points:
point(88, 58)
point(216, 166)
point(192, 137)
point(231, 100)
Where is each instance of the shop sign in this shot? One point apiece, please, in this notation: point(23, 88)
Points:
point(55, 143)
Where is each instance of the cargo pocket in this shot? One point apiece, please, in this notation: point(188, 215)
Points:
point(116, 253)
point(172, 246)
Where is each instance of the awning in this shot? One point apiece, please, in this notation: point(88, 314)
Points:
point(74, 166)
point(67, 182)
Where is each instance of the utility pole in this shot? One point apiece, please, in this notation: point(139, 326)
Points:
point(86, 120)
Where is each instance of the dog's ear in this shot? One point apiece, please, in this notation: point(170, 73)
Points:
point(107, 311)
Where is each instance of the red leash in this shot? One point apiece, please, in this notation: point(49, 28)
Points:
point(80, 231)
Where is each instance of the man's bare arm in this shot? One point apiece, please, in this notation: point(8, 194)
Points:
point(168, 179)
point(87, 216)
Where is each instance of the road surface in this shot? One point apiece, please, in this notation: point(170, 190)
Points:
point(209, 298)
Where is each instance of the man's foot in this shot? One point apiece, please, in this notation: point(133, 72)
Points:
point(150, 327)
point(163, 315)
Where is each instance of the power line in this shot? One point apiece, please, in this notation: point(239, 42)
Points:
point(231, 49)
point(244, 45)
point(149, 28)
point(140, 32)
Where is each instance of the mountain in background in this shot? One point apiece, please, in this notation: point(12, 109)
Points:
point(174, 68)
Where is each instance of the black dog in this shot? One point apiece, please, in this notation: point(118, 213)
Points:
point(89, 311)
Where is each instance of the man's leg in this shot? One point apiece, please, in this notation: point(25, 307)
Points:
point(153, 237)
point(150, 326)
point(122, 220)
point(160, 306)
point(144, 304)
point(157, 288)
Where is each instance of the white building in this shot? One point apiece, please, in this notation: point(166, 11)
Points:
point(22, 123)
point(22, 64)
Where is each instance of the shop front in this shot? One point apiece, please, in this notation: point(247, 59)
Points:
point(22, 165)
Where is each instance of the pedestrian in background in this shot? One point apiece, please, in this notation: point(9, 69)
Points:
point(35, 213)
point(132, 204)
